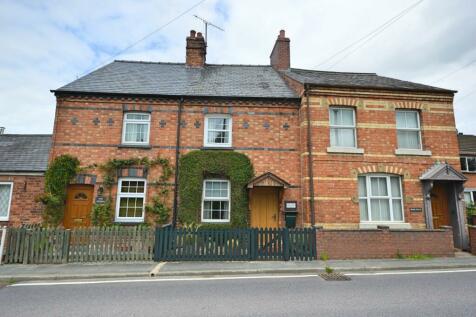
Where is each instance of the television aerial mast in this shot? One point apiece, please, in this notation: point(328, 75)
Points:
point(207, 23)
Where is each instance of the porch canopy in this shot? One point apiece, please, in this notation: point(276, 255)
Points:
point(443, 172)
point(268, 179)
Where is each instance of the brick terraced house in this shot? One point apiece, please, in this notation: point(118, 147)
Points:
point(467, 148)
point(23, 162)
point(345, 150)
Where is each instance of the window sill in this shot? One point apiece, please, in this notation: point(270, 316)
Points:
point(412, 152)
point(391, 225)
point(345, 150)
point(229, 148)
point(135, 146)
point(128, 221)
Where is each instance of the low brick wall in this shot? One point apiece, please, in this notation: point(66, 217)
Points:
point(472, 239)
point(384, 243)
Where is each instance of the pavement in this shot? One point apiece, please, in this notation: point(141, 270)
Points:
point(427, 293)
point(19, 272)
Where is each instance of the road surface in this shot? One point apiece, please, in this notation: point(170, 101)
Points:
point(392, 294)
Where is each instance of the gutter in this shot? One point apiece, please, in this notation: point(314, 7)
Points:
point(309, 158)
point(177, 156)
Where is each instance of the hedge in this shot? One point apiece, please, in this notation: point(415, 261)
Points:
point(195, 166)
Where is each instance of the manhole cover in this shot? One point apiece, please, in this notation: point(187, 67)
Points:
point(334, 276)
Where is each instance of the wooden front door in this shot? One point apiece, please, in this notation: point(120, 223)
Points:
point(439, 206)
point(79, 202)
point(264, 207)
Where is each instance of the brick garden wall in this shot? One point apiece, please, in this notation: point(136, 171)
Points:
point(24, 209)
point(472, 239)
point(368, 244)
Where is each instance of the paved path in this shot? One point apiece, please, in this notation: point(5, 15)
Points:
point(429, 294)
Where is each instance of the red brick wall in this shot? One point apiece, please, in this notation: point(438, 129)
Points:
point(267, 132)
point(335, 175)
point(472, 239)
point(23, 208)
point(368, 244)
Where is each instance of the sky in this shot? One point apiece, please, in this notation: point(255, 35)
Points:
point(47, 44)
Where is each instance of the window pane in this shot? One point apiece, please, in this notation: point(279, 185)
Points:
point(137, 116)
point(342, 137)
point(407, 120)
point(218, 123)
point(4, 199)
point(400, 120)
point(472, 164)
point(364, 215)
point(215, 189)
point(218, 137)
point(132, 187)
point(467, 197)
point(408, 139)
point(342, 117)
point(397, 210)
point(380, 209)
point(379, 186)
point(464, 167)
point(395, 183)
point(215, 210)
point(136, 132)
point(362, 187)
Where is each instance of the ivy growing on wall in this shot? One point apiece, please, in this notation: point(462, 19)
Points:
point(195, 166)
point(59, 174)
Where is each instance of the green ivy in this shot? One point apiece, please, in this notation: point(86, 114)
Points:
point(59, 174)
point(197, 165)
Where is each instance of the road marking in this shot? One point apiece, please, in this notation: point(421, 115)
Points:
point(410, 272)
point(164, 279)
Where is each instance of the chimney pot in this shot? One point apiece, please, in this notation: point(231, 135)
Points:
point(199, 35)
point(280, 57)
point(192, 33)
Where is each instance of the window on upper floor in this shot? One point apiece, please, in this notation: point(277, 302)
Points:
point(380, 198)
point(6, 189)
point(218, 131)
point(136, 128)
point(408, 129)
point(468, 164)
point(130, 200)
point(342, 127)
point(216, 200)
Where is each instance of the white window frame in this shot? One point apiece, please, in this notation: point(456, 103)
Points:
point(7, 217)
point(333, 126)
point(471, 195)
point(467, 165)
point(130, 195)
point(410, 129)
point(389, 196)
point(216, 199)
point(230, 131)
point(126, 121)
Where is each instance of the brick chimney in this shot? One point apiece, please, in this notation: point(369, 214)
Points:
point(280, 57)
point(196, 50)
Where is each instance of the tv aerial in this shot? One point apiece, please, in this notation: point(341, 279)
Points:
point(207, 23)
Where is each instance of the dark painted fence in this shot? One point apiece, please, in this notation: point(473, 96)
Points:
point(243, 244)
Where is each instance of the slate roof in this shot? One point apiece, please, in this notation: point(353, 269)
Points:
point(467, 143)
point(24, 152)
point(358, 80)
point(176, 79)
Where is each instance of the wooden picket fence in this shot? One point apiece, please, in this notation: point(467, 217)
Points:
point(42, 245)
point(235, 244)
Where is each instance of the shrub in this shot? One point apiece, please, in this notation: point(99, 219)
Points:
point(101, 214)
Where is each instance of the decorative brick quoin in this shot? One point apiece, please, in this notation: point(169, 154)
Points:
point(345, 151)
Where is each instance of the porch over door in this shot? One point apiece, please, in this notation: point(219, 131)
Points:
point(439, 206)
point(264, 207)
point(79, 203)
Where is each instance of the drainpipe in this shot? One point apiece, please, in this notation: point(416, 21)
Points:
point(177, 156)
point(309, 159)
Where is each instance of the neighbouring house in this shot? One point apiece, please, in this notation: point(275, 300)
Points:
point(343, 150)
point(467, 150)
point(23, 162)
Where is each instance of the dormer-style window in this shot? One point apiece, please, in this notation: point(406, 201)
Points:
point(408, 129)
point(342, 127)
point(136, 128)
point(218, 131)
